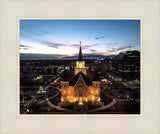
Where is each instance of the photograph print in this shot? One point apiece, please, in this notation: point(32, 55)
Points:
point(79, 67)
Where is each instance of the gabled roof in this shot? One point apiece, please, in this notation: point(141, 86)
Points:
point(73, 81)
point(67, 75)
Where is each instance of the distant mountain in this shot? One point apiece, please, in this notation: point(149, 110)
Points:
point(39, 56)
point(56, 56)
point(90, 56)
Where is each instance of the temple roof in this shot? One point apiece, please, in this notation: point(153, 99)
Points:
point(80, 56)
point(67, 75)
point(76, 77)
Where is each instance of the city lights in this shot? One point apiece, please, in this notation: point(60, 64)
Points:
point(59, 74)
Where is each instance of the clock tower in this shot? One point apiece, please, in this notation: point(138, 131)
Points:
point(80, 64)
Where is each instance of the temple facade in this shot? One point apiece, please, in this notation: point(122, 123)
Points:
point(77, 88)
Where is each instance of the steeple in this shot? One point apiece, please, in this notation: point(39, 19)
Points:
point(80, 63)
point(80, 57)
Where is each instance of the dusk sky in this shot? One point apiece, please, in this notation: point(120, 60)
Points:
point(62, 37)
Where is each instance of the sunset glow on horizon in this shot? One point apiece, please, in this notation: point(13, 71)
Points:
point(62, 37)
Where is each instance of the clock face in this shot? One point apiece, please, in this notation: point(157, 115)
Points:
point(80, 65)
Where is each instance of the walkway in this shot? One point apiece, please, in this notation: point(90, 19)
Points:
point(53, 82)
point(29, 102)
point(56, 107)
point(54, 96)
point(104, 107)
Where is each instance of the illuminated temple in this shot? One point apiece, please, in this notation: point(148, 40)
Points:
point(80, 86)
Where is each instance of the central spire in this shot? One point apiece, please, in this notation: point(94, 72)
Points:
point(80, 57)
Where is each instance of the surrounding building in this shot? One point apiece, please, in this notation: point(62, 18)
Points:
point(77, 88)
point(81, 85)
point(127, 65)
point(106, 65)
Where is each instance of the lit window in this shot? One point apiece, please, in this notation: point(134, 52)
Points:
point(97, 92)
point(71, 98)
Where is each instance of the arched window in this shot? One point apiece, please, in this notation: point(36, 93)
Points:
point(80, 88)
point(80, 92)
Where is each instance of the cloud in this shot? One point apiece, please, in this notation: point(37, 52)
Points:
point(52, 44)
point(118, 49)
point(75, 45)
point(25, 47)
point(88, 47)
point(83, 46)
point(22, 45)
point(113, 44)
point(38, 32)
point(97, 38)
point(42, 33)
point(48, 43)
point(92, 50)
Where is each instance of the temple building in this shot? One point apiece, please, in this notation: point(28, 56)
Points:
point(80, 87)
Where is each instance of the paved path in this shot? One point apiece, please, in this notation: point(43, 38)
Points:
point(29, 102)
point(53, 82)
point(56, 107)
point(54, 96)
point(104, 107)
point(58, 88)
